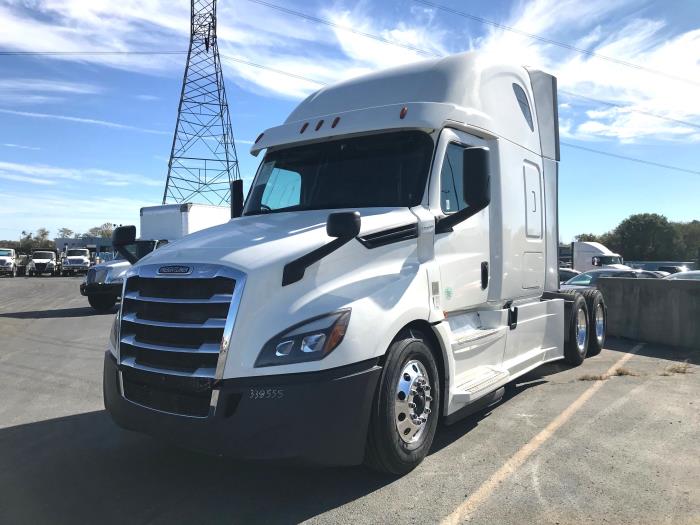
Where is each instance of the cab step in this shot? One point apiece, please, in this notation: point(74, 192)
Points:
point(484, 380)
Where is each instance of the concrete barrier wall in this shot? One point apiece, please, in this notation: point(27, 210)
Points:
point(653, 310)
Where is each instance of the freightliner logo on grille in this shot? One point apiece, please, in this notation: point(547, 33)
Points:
point(174, 269)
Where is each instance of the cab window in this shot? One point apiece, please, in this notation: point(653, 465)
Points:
point(451, 190)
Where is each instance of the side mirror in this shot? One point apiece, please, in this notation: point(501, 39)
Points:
point(236, 198)
point(122, 237)
point(476, 178)
point(476, 185)
point(343, 224)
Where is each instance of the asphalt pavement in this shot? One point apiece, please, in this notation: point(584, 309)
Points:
point(566, 445)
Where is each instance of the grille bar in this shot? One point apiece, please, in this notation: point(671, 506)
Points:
point(199, 372)
point(209, 323)
point(204, 348)
point(216, 298)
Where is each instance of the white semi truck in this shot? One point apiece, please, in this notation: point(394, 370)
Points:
point(592, 255)
point(159, 225)
point(8, 262)
point(395, 264)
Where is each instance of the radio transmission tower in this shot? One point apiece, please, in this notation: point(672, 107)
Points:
point(203, 159)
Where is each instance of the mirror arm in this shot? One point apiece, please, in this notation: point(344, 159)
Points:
point(294, 270)
point(445, 224)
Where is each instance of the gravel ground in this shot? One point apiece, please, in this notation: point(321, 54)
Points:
point(627, 453)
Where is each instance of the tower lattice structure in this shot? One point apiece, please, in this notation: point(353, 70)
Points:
point(203, 159)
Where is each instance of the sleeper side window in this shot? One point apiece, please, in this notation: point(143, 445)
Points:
point(524, 105)
point(451, 190)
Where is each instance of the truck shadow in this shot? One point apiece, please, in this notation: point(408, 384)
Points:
point(83, 469)
point(58, 313)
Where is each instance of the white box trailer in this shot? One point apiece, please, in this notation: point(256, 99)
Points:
point(174, 221)
point(395, 263)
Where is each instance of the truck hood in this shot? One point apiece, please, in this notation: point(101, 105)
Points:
point(5, 259)
point(257, 241)
point(43, 261)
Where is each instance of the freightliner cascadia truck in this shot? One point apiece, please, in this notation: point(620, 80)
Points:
point(394, 265)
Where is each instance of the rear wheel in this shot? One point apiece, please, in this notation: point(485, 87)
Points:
point(577, 345)
point(406, 407)
point(597, 321)
point(102, 303)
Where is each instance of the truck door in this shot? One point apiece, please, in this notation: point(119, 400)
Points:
point(463, 255)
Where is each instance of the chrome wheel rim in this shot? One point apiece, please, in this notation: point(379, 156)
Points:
point(413, 401)
point(599, 322)
point(581, 329)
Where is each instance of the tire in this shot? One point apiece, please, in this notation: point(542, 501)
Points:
point(576, 345)
point(396, 442)
point(102, 303)
point(597, 321)
point(13, 273)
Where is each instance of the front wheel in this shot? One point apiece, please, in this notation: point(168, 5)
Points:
point(102, 303)
point(406, 407)
point(14, 272)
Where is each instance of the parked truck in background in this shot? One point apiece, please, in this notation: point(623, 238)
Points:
point(592, 255)
point(75, 260)
point(395, 263)
point(8, 262)
point(44, 262)
point(158, 226)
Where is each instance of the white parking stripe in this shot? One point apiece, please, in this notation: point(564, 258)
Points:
point(466, 508)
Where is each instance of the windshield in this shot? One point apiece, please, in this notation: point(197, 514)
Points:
point(387, 170)
point(77, 253)
point(43, 255)
point(610, 259)
point(5, 253)
point(141, 248)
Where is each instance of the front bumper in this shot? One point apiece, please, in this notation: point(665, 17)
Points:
point(317, 417)
point(76, 267)
point(5, 269)
point(114, 289)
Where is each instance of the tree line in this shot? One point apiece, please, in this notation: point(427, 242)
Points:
point(40, 240)
point(651, 237)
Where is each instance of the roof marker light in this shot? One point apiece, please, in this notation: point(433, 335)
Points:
point(259, 137)
point(320, 123)
point(335, 122)
point(303, 128)
point(403, 112)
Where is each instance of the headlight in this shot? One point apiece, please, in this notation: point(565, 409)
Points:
point(50, 263)
point(308, 341)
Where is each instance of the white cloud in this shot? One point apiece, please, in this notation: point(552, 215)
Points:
point(43, 174)
point(20, 146)
point(82, 120)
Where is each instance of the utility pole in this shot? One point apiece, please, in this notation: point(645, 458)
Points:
point(203, 160)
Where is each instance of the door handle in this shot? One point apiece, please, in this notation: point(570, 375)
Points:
point(484, 275)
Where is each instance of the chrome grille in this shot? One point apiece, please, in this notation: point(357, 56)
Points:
point(173, 336)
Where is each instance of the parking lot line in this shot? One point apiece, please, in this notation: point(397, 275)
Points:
point(467, 507)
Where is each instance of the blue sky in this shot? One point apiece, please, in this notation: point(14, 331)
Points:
point(85, 139)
